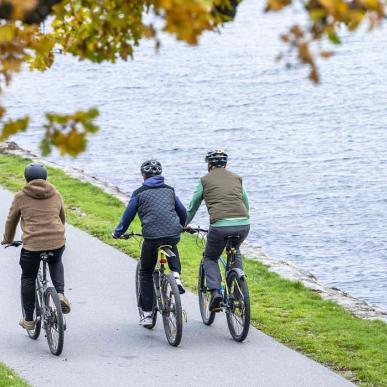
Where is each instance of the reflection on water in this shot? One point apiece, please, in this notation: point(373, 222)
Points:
point(314, 159)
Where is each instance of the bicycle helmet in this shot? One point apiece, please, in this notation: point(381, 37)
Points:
point(151, 168)
point(35, 171)
point(216, 158)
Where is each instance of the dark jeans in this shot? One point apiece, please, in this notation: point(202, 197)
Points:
point(216, 243)
point(148, 264)
point(30, 262)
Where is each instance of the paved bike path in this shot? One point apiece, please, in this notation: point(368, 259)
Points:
point(105, 346)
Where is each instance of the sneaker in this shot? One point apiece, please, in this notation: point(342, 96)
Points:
point(146, 321)
point(178, 282)
point(29, 325)
point(180, 285)
point(64, 303)
point(216, 299)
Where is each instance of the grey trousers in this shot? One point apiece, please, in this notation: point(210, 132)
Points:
point(216, 242)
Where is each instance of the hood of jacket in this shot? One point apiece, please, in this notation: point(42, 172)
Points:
point(154, 181)
point(39, 189)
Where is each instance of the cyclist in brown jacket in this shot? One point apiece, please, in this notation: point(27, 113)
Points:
point(40, 209)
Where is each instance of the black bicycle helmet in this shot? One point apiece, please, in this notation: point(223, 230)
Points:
point(216, 158)
point(151, 168)
point(35, 171)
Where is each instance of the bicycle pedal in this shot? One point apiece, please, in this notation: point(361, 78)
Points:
point(185, 316)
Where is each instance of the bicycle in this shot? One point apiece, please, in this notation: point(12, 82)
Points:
point(166, 295)
point(234, 289)
point(48, 312)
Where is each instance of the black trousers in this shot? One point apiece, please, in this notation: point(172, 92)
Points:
point(216, 243)
point(30, 262)
point(148, 264)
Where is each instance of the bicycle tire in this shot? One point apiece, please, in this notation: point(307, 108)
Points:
point(239, 295)
point(204, 298)
point(174, 339)
point(34, 334)
point(138, 294)
point(54, 321)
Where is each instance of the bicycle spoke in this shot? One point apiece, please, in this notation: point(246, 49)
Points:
point(236, 310)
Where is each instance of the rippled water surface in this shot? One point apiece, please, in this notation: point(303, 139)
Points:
point(314, 159)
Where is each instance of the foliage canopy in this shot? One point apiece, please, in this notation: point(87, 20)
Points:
point(109, 30)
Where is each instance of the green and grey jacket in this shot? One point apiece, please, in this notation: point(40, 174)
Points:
point(225, 197)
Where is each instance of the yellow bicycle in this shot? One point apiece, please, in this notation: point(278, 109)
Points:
point(236, 298)
point(166, 296)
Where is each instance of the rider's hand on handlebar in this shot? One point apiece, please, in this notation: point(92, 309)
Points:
point(188, 228)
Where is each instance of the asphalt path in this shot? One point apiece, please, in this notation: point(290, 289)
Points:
point(104, 345)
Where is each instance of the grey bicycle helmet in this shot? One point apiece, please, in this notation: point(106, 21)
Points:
point(151, 168)
point(216, 158)
point(35, 171)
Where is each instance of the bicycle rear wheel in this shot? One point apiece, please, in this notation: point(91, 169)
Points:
point(172, 311)
point(238, 310)
point(54, 321)
point(138, 295)
point(204, 298)
point(35, 333)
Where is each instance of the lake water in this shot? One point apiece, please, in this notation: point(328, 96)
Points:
point(314, 159)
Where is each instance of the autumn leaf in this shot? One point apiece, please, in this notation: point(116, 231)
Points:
point(12, 127)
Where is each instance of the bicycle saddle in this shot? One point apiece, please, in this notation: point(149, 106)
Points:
point(233, 237)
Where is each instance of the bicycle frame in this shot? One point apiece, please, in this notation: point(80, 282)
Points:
point(164, 252)
point(41, 287)
point(228, 265)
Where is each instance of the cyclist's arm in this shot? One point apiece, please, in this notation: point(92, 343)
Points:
point(180, 210)
point(195, 202)
point(12, 222)
point(127, 217)
point(62, 215)
point(245, 199)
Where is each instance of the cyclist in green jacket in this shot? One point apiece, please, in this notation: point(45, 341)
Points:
point(228, 206)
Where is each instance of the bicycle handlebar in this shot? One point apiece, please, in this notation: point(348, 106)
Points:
point(129, 235)
point(190, 230)
point(195, 230)
point(14, 244)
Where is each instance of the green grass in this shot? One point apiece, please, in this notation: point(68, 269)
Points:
point(9, 379)
point(286, 310)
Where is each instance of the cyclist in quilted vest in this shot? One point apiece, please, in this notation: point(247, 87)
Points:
point(228, 206)
point(162, 217)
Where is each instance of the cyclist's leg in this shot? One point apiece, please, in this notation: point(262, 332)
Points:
point(242, 231)
point(174, 262)
point(29, 262)
point(214, 248)
point(57, 276)
point(148, 263)
point(56, 269)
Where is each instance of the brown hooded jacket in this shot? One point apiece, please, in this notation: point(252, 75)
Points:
point(40, 209)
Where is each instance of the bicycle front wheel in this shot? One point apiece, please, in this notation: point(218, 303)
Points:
point(35, 333)
point(204, 298)
point(54, 322)
point(138, 296)
point(172, 311)
point(238, 309)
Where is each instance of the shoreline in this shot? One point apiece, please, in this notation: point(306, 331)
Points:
point(283, 268)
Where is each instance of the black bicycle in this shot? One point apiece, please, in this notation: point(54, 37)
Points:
point(166, 296)
point(48, 312)
point(236, 297)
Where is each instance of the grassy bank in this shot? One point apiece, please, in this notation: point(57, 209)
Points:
point(285, 310)
point(9, 378)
